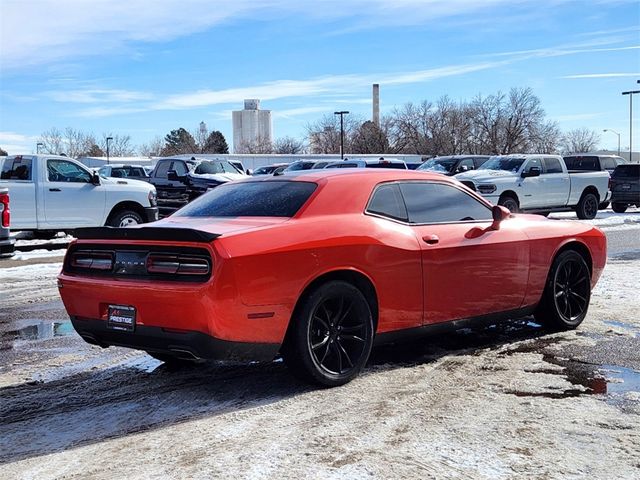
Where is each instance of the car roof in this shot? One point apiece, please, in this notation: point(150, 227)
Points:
point(351, 175)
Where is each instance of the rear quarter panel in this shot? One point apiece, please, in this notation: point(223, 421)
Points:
point(581, 181)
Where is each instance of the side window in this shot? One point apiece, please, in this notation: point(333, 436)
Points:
point(440, 203)
point(387, 201)
point(479, 161)
point(608, 163)
point(533, 162)
point(162, 169)
point(465, 165)
point(64, 171)
point(16, 169)
point(552, 165)
point(180, 168)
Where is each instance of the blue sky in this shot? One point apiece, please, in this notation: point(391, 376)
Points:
point(143, 68)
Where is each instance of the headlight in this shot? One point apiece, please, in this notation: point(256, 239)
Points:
point(153, 198)
point(487, 188)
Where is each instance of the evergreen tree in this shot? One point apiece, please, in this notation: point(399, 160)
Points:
point(179, 141)
point(3, 153)
point(215, 143)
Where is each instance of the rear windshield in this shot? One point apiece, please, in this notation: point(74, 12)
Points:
point(251, 199)
point(627, 171)
point(399, 165)
point(582, 163)
point(16, 168)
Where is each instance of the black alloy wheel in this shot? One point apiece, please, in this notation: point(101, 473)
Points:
point(509, 202)
point(619, 207)
point(565, 300)
point(332, 337)
point(587, 207)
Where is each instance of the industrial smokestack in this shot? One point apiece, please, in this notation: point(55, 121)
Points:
point(376, 104)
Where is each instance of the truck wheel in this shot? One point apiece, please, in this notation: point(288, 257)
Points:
point(124, 218)
point(619, 207)
point(510, 202)
point(587, 207)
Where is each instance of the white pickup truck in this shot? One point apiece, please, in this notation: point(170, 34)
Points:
point(538, 183)
point(50, 193)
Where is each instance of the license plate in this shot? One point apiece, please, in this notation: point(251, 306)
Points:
point(122, 318)
point(626, 186)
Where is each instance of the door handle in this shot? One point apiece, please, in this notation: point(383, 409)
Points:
point(55, 190)
point(431, 239)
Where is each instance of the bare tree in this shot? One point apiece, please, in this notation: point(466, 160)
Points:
point(324, 134)
point(152, 148)
point(546, 138)
point(260, 145)
point(580, 140)
point(288, 145)
point(369, 138)
point(52, 142)
point(120, 146)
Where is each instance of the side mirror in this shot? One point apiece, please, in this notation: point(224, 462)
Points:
point(249, 171)
point(172, 176)
point(499, 214)
point(95, 179)
point(463, 168)
point(532, 172)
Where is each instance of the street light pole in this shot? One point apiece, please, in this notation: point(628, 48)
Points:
point(38, 145)
point(631, 93)
point(613, 131)
point(108, 140)
point(342, 114)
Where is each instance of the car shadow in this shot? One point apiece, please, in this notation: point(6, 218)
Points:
point(47, 417)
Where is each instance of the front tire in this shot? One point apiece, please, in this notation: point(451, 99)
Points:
point(510, 202)
point(125, 218)
point(619, 207)
point(332, 335)
point(566, 296)
point(587, 207)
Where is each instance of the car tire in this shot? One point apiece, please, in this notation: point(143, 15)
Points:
point(587, 207)
point(331, 338)
point(567, 292)
point(124, 218)
point(619, 207)
point(603, 206)
point(510, 202)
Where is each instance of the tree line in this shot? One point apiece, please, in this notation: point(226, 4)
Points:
point(496, 124)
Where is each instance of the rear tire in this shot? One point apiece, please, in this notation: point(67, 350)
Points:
point(587, 207)
point(125, 218)
point(332, 335)
point(619, 207)
point(566, 295)
point(510, 202)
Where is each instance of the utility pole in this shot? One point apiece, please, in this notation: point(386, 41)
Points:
point(108, 140)
point(342, 114)
point(631, 93)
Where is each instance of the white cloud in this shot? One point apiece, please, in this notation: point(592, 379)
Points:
point(603, 75)
point(98, 95)
point(15, 143)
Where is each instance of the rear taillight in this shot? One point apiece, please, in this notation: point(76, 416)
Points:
point(92, 260)
point(4, 210)
point(177, 264)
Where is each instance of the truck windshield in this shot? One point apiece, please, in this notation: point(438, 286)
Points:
point(444, 165)
point(251, 199)
point(510, 164)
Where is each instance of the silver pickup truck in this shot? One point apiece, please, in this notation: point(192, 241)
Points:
point(539, 184)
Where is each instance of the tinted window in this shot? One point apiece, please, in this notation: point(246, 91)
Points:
point(627, 171)
point(534, 162)
point(387, 201)
point(480, 160)
point(300, 166)
point(608, 163)
point(343, 165)
point(466, 164)
point(443, 165)
point(16, 169)
point(180, 168)
point(399, 165)
point(439, 203)
point(251, 199)
point(63, 171)
point(552, 165)
point(215, 167)
point(582, 163)
point(162, 168)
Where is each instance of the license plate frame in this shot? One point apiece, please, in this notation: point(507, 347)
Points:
point(121, 318)
point(626, 186)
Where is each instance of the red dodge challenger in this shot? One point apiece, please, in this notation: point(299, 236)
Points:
point(320, 266)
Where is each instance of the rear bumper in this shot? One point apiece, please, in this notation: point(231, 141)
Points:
point(189, 344)
point(626, 197)
point(151, 214)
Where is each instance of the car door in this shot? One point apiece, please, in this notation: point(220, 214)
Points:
point(70, 199)
point(468, 270)
point(530, 190)
point(555, 183)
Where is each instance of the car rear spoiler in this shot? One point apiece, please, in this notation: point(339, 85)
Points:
point(145, 233)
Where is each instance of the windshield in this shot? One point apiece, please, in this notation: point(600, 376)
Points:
point(510, 164)
point(299, 166)
point(205, 168)
point(443, 165)
point(251, 199)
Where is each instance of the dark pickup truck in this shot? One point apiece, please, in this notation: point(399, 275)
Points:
point(178, 181)
point(625, 187)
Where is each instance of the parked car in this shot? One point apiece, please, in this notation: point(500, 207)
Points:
point(321, 265)
point(538, 183)
point(300, 165)
point(321, 163)
point(52, 193)
point(594, 163)
point(453, 164)
point(270, 169)
point(625, 187)
point(179, 180)
point(119, 170)
point(369, 163)
point(413, 165)
point(7, 244)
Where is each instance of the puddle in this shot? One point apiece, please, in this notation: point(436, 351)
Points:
point(36, 330)
point(621, 380)
point(624, 326)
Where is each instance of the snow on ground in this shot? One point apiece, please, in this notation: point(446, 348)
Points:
point(40, 253)
point(605, 218)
